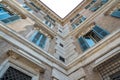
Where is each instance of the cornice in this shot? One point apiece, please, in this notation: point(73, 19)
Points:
point(60, 20)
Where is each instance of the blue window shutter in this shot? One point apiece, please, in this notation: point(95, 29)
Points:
point(100, 32)
point(116, 13)
point(83, 43)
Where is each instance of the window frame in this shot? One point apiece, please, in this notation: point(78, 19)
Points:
point(85, 45)
point(38, 42)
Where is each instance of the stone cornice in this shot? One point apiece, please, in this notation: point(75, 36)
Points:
point(60, 20)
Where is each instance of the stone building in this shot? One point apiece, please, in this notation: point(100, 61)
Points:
point(37, 44)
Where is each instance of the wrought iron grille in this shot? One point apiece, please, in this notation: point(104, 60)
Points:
point(115, 76)
point(110, 69)
point(13, 74)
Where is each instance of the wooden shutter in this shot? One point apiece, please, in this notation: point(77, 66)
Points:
point(83, 43)
point(116, 13)
point(100, 32)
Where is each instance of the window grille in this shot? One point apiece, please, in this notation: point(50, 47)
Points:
point(110, 69)
point(13, 74)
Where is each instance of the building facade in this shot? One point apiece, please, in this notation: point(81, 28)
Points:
point(36, 44)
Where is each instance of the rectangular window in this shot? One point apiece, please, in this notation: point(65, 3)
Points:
point(78, 21)
point(89, 5)
point(98, 5)
point(61, 45)
point(39, 39)
point(49, 21)
point(35, 6)
point(92, 37)
point(27, 7)
point(95, 8)
point(6, 16)
point(62, 59)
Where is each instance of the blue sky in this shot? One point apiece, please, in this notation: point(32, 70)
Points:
point(61, 7)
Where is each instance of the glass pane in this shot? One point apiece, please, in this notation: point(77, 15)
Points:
point(42, 41)
point(89, 41)
point(4, 14)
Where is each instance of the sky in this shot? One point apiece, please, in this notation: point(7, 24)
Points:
point(61, 7)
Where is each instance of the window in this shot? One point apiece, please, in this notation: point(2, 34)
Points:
point(104, 1)
point(78, 21)
point(116, 13)
point(6, 16)
point(74, 17)
point(35, 6)
point(62, 59)
point(95, 8)
point(27, 7)
point(39, 39)
point(60, 31)
point(49, 21)
point(92, 37)
point(98, 5)
point(89, 5)
point(61, 45)
point(13, 74)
